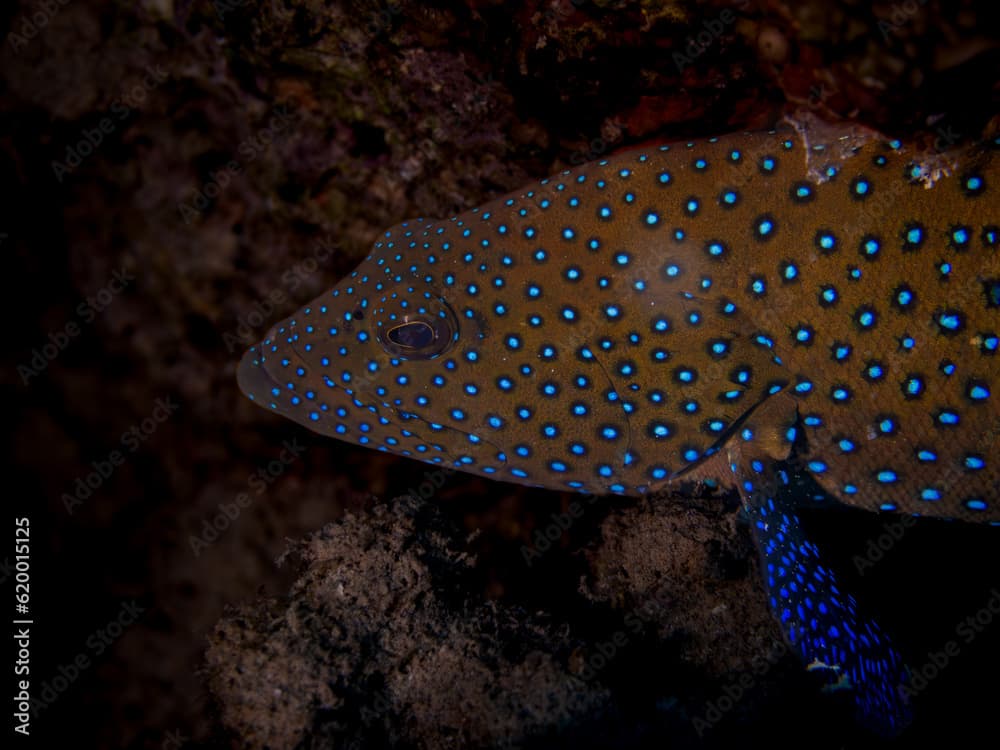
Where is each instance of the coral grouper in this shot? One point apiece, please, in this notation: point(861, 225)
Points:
point(816, 298)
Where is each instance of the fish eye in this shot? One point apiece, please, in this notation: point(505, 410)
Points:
point(415, 335)
point(418, 336)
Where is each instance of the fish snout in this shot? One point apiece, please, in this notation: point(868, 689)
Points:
point(254, 379)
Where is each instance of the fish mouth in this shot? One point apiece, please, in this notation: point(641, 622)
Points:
point(254, 378)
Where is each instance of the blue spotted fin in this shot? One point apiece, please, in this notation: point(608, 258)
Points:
point(823, 623)
point(693, 309)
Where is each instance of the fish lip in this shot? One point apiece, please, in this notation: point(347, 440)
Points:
point(253, 378)
point(256, 381)
point(366, 398)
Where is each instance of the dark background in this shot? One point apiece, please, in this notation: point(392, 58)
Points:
point(113, 115)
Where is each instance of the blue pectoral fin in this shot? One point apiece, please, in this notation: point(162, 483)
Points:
point(822, 622)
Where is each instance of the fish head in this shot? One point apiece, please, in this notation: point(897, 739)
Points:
point(352, 363)
point(434, 351)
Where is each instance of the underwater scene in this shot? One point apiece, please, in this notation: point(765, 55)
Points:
point(482, 374)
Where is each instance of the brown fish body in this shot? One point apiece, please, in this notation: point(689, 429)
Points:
point(814, 299)
point(629, 318)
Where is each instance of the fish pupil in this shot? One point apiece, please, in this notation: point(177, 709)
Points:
point(416, 335)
